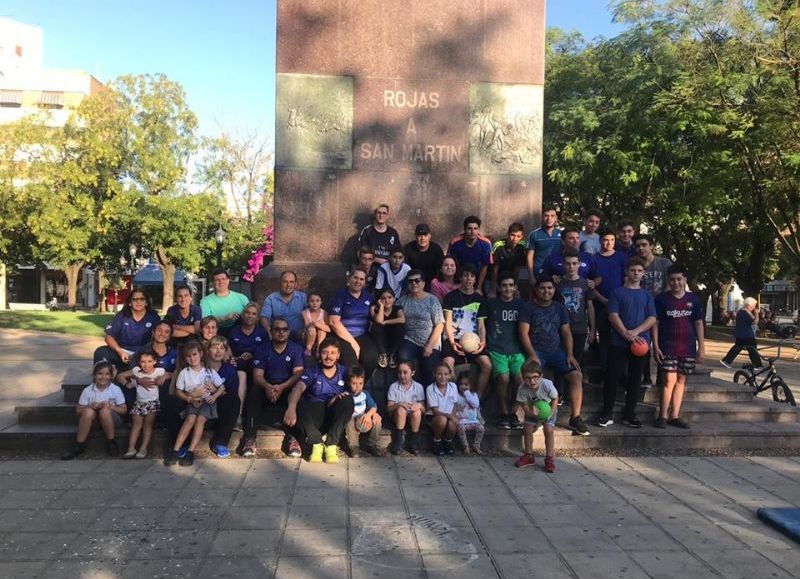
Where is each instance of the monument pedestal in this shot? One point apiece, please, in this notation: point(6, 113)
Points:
point(433, 109)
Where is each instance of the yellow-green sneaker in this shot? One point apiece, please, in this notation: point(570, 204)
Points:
point(332, 453)
point(316, 453)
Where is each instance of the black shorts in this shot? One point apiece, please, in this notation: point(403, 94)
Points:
point(448, 352)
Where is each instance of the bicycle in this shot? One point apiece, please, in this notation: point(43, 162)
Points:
point(750, 376)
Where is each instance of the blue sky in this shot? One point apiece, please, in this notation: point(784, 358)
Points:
point(223, 53)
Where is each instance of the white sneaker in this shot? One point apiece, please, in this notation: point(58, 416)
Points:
point(724, 363)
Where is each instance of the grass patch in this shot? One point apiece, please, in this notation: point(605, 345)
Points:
point(80, 323)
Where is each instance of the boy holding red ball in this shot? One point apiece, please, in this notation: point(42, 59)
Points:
point(631, 313)
point(532, 392)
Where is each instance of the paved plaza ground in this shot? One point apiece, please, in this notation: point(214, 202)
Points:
point(604, 517)
point(387, 518)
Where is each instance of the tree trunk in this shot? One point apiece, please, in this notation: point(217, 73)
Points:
point(102, 285)
point(168, 275)
point(72, 272)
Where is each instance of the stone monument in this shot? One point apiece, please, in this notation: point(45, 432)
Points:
point(434, 108)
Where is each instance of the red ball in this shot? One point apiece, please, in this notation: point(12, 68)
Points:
point(640, 349)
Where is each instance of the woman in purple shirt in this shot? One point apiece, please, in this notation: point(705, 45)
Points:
point(130, 329)
point(349, 320)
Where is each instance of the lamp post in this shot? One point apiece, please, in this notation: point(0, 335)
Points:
point(219, 237)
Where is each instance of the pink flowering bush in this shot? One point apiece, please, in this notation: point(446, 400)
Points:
point(261, 256)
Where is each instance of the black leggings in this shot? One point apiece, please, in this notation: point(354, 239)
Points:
point(387, 338)
point(369, 354)
point(228, 406)
point(314, 418)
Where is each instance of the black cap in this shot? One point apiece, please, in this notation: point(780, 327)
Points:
point(422, 229)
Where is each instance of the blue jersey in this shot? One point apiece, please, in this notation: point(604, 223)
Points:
point(129, 333)
point(543, 244)
point(251, 343)
point(320, 388)
point(612, 269)
point(354, 311)
point(479, 255)
point(279, 366)
point(173, 315)
point(231, 377)
point(554, 265)
point(633, 306)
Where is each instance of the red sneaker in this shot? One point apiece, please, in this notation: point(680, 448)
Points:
point(525, 460)
point(549, 465)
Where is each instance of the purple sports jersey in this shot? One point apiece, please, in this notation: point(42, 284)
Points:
point(279, 367)
point(676, 317)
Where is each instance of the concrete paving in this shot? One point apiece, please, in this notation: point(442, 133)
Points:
point(395, 518)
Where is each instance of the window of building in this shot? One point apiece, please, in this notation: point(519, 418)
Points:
point(51, 100)
point(10, 98)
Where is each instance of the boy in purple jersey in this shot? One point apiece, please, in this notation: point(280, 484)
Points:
point(678, 343)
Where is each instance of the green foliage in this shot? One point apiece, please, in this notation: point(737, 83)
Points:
point(688, 122)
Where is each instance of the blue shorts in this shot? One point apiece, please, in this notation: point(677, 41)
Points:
point(556, 360)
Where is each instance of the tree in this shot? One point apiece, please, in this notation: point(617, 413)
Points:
point(239, 170)
point(160, 140)
point(78, 187)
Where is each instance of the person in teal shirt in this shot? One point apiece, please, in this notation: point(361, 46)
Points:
point(223, 304)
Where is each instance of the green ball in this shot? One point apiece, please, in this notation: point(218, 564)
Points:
point(544, 409)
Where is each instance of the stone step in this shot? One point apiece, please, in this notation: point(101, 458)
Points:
point(755, 411)
point(52, 440)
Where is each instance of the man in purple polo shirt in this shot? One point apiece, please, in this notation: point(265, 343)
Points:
point(276, 369)
point(321, 401)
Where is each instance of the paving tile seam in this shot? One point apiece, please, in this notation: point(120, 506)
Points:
point(471, 519)
point(348, 522)
point(768, 469)
point(654, 523)
point(407, 510)
point(289, 505)
point(690, 507)
point(735, 475)
point(530, 518)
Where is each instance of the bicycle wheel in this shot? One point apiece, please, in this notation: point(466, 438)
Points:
point(781, 392)
point(745, 378)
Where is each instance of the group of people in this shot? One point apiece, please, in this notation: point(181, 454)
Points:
point(455, 326)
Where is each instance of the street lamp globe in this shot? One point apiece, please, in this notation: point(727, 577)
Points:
point(132, 251)
point(219, 235)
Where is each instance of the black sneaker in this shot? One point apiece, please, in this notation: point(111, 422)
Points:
point(515, 423)
point(578, 427)
point(438, 448)
point(660, 422)
point(75, 451)
point(393, 361)
point(414, 444)
point(111, 448)
point(187, 459)
point(448, 447)
point(171, 458)
point(504, 423)
point(632, 422)
point(605, 421)
point(678, 423)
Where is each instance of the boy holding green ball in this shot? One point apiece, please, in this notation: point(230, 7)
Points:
point(534, 396)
